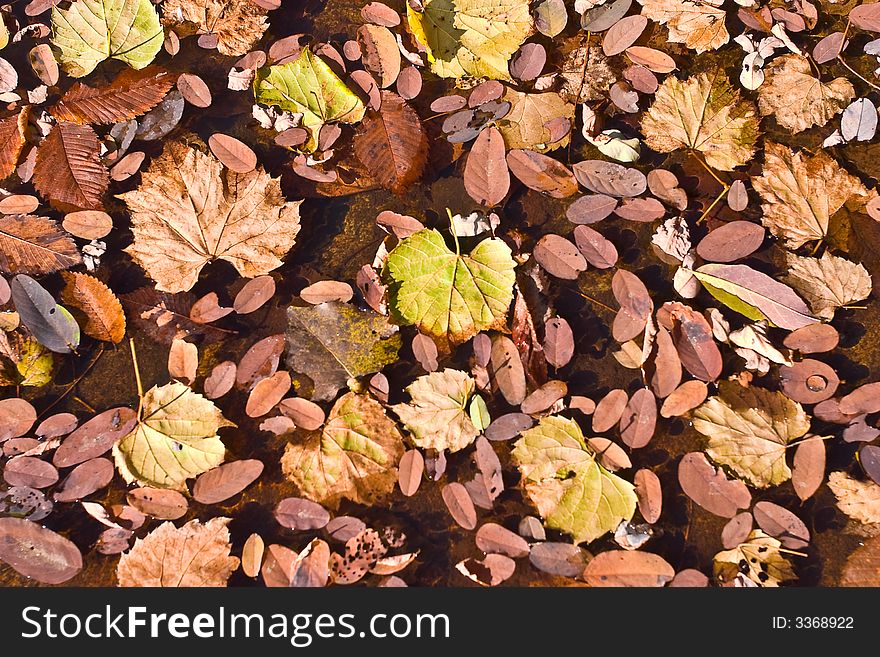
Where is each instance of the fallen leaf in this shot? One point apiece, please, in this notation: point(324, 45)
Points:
point(525, 125)
point(159, 503)
point(237, 26)
point(827, 283)
point(710, 488)
point(459, 505)
point(494, 538)
point(782, 524)
point(102, 309)
point(797, 99)
point(486, 177)
point(195, 554)
point(12, 141)
point(749, 429)
point(758, 558)
point(410, 471)
point(35, 245)
point(703, 113)
point(562, 559)
point(300, 514)
point(38, 553)
point(698, 25)
point(862, 567)
point(731, 241)
point(213, 214)
point(491, 570)
point(380, 54)
point(627, 568)
point(69, 171)
point(650, 495)
point(860, 500)
point(354, 457)
point(808, 471)
point(542, 173)
point(51, 324)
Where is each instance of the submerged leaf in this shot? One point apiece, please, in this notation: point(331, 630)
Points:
point(758, 558)
point(698, 25)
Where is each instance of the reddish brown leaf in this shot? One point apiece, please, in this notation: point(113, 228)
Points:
point(655, 60)
point(12, 140)
point(667, 365)
point(542, 173)
point(639, 419)
point(19, 204)
point(635, 305)
point(254, 294)
point(813, 339)
point(808, 381)
point(324, 291)
point(85, 479)
point(609, 454)
point(489, 571)
point(559, 257)
point(68, 170)
point(425, 351)
point(267, 393)
point(311, 569)
point(29, 471)
point(409, 472)
point(159, 503)
point(129, 165)
point(486, 178)
point(544, 397)
point(103, 311)
point(252, 555)
point(392, 144)
point(35, 245)
point(563, 559)
point(508, 426)
point(623, 568)
point(507, 372)
point(459, 505)
point(684, 398)
point(649, 494)
point(590, 209)
point(558, 342)
point(260, 361)
point(694, 341)
point(808, 470)
point(623, 34)
point(737, 530)
point(690, 578)
point(88, 224)
point(710, 488)
point(95, 437)
point(864, 399)
point(38, 553)
point(379, 53)
point(208, 309)
point(221, 380)
point(300, 514)
point(609, 178)
point(609, 409)
point(306, 414)
point(194, 90)
point(227, 480)
point(492, 537)
point(782, 524)
point(234, 154)
point(732, 241)
point(380, 14)
point(17, 416)
point(598, 251)
point(131, 94)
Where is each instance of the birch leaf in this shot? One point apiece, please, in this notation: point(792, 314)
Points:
point(829, 282)
point(450, 296)
point(703, 113)
point(193, 555)
point(355, 456)
point(471, 37)
point(571, 490)
point(308, 86)
point(748, 430)
point(437, 417)
point(698, 25)
point(190, 210)
point(801, 193)
point(175, 439)
point(797, 99)
point(90, 31)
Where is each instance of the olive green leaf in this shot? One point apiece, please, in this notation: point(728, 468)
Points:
point(174, 439)
point(438, 415)
point(571, 490)
point(90, 31)
point(471, 37)
point(355, 456)
point(705, 114)
point(758, 558)
point(333, 342)
point(308, 86)
point(449, 296)
point(748, 430)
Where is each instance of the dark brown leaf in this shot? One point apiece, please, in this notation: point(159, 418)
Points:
point(694, 341)
point(12, 140)
point(68, 170)
point(35, 245)
point(132, 93)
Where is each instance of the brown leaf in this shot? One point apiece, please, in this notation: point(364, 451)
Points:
point(862, 567)
point(731, 241)
point(459, 505)
point(808, 381)
point(160, 503)
point(638, 419)
point(311, 569)
point(234, 154)
point(379, 53)
point(808, 471)
point(649, 494)
point(68, 170)
point(227, 480)
point(597, 250)
point(102, 309)
point(85, 479)
point(234, 26)
point(695, 342)
point(410, 470)
point(710, 488)
point(590, 209)
point(301, 514)
point(558, 342)
point(623, 34)
point(782, 524)
point(635, 305)
point(542, 173)
point(29, 471)
point(254, 294)
point(88, 224)
point(864, 399)
point(12, 140)
point(667, 365)
point(559, 257)
point(507, 372)
point(486, 177)
point(306, 414)
point(488, 571)
point(132, 93)
point(37, 552)
point(221, 380)
point(392, 144)
point(813, 339)
point(737, 530)
point(194, 90)
point(609, 410)
point(492, 537)
point(623, 568)
point(324, 291)
point(35, 245)
point(563, 559)
point(267, 393)
point(193, 555)
point(164, 316)
point(95, 437)
point(252, 555)
point(609, 178)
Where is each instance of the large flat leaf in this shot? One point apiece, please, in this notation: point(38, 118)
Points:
point(12, 139)
point(829, 282)
point(755, 295)
point(334, 342)
point(471, 37)
point(35, 245)
point(175, 439)
point(237, 25)
point(90, 31)
point(748, 429)
point(698, 25)
point(449, 296)
point(355, 456)
point(69, 171)
point(572, 491)
point(190, 210)
point(308, 86)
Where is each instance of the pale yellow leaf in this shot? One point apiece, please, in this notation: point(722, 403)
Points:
point(827, 283)
point(860, 500)
point(699, 25)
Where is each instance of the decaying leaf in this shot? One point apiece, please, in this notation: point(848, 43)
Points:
point(797, 99)
point(748, 430)
point(758, 559)
point(175, 439)
point(526, 124)
point(189, 210)
point(705, 114)
point(195, 554)
point(355, 456)
point(449, 296)
point(236, 25)
point(12, 140)
point(801, 194)
point(699, 25)
point(35, 245)
point(571, 490)
point(470, 37)
point(69, 171)
point(860, 500)
point(829, 282)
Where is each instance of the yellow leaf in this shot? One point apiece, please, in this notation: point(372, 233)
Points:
point(860, 500)
point(828, 283)
point(757, 559)
point(525, 125)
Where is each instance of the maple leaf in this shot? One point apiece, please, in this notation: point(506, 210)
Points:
point(758, 558)
point(35, 245)
point(12, 140)
point(437, 417)
point(698, 24)
point(193, 555)
point(104, 317)
point(471, 37)
point(828, 282)
point(131, 94)
point(703, 113)
point(860, 500)
point(748, 430)
point(525, 125)
point(69, 171)
point(571, 490)
point(355, 456)
point(190, 210)
point(801, 194)
point(238, 25)
point(175, 439)
point(90, 31)
point(797, 99)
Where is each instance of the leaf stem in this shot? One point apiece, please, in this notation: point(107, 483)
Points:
point(452, 230)
point(596, 302)
point(137, 376)
point(72, 384)
point(856, 73)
